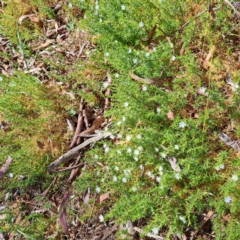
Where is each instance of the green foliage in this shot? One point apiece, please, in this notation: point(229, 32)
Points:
point(137, 170)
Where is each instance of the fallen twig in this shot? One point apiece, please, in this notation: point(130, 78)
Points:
point(144, 80)
point(75, 151)
point(137, 229)
point(232, 6)
point(96, 124)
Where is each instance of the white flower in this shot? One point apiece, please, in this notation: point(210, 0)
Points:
point(123, 7)
point(114, 178)
point(140, 24)
point(158, 179)
point(177, 176)
point(10, 175)
point(140, 148)
point(20, 177)
point(106, 54)
point(116, 168)
point(107, 168)
point(1, 78)
point(126, 104)
point(101, 218)
point(155, 231)
point(100, 20)
point(160, 173)
point(134, 189)
point(129, 50)
point(135, 158)
point(144, 88)
point(81, 0)
point(129, 150)
point(227, 199)
point(176, 147)
point(158, 110)
point(160, 168)
point(141, 167)
point(124, 180)
point(138, 136)
point(98, 190)
point(219, 167)
point(136, 152)
point(163, 155)
point(96, 7)
point(126, 172)
point(202, 90)
point(116, 75)
point(119, 136)
point(119, 123)
point(102, 180)
point(182, 219)
point(69, 5)
point(123, 119)
point(116, 41)
point(173, 58)
point(149, 173)
point(147, 54)
point(96, 156)
point(134, 60)
point(128, 138)
point(119, 152)
point(87, 52)
point(182, 125)
point(234, 177)
point(156, 149)
point(106, 149)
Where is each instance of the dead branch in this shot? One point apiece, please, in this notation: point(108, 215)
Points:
point(148, 234)
point(233, 8)
point(75, 151)
point(139, 79)
point(96, 124)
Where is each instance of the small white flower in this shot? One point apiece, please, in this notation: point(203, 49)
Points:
point(81, 0)
point(128, 138)
point(102, 180)
point(155, 231)
point(119, 136)
point(87, 52)
point(144, 88)
point(147, 54)
point(98, 190)
point(119, 123)
point(106, 54)
point(101, 218)
point(141, 167)
point(136, 152)
point(160, 168)
point(116, 168)
point(182, 125)
point(114, 178)
point(10, 175)
point(149, 173)
point(176, 147)
point(129, 50)
point(163, 155)
point(140, 24)
point(96, 156)
point(124, 180)
point(158, 179)
point(129, 150)
point(123, 7)
point(154, 49)
point(123, 119)
point(107, 168)
point(173, 58)
point(116, 75)
point(20, 177)
point(140, 148)
point(116, 41)
point(219, 167)
point(177, 176)
point(106, 149)
point(234, 177)
point(1, 79)
point(126, 172)
point(126, 104)
point(134, 189)
point(119, 152)
point(96, 7)
point(182, 219)
point(135, 158)
point(100, 20)
point(227, 199)
point(202, 90)
point(158, 110)
point(70, 5)
point(138, 136)
point(134, 60)
point(156, 149)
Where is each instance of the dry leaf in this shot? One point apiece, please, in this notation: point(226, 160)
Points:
point(173, 162)
point(43, 45)
point(86, 196)
point(103, 197)
point(62, 213)
point(210, 54)
point(5, 166)
point(40, 144)
point(23, 17)
point(108, 232)
point(227, 140)
point(137, 78)
point(170, 115)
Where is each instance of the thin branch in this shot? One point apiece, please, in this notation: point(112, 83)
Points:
point(234, 9)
